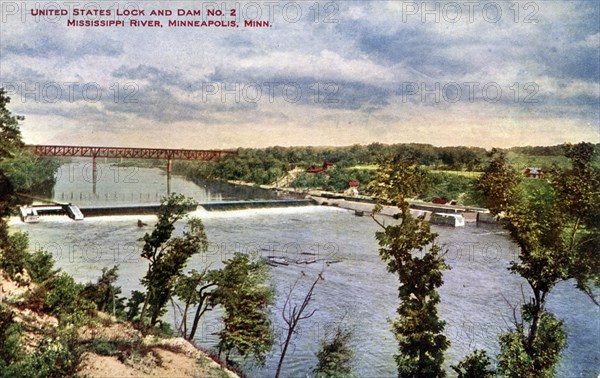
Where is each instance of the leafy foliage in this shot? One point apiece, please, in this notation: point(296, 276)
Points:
point(242, 291)
point(20, 171)
point(335, 180)
point(517, 359)
point(15, 260)
point(29, 173)
point(168, 256)
point(64, 300)
point(58, 356)
point(40, 266)
point(451, 186)
point(499, 183)
point(335, 356)
point(265, 166)
point(10, 135)
point(475, 365)
point(555, 225)
point(418, 329)
point(10, 338)
point(194, 289)
point(104, 293)
point(136, 299)
point(14, 254)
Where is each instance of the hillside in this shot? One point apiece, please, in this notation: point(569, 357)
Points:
point(104, 347)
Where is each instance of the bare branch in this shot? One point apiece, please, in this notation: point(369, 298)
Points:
point(293, 315)
point(588, 291)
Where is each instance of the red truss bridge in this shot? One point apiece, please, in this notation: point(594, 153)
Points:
point(129, 153)
point(126, 152)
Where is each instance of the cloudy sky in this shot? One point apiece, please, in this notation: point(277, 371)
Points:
point(488, 74)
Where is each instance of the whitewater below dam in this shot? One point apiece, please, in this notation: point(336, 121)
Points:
point(477, 296)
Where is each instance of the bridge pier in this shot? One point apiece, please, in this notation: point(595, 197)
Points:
point(127, 152)
point(94, 174)
point(169, 170)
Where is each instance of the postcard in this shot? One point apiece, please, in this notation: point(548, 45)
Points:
point(240, 104)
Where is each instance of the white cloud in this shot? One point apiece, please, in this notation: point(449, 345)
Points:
point(369, 52)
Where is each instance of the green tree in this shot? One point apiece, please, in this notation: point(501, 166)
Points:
point(10, 338)
point(245, 297)
point(335, 356)
point(10, 135)
point(556, 229)
point(29, 173)
point(17, 173)
point(195, 289)
point(519, 359)
point(64, 300)
point(418, 329)
point(14, 254)
point(167, 256)
point(136, 299)
point(578, 196)
point(10, 142)
point(475, 365)
point(57, 356)
point(40, 266)
point(104, 293)
point(20, 171)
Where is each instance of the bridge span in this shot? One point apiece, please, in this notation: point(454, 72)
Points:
point(129, 153)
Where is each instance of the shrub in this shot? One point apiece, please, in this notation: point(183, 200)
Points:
point(14, 254)
point(57, 356)
point(475, 365)
point(40, 266)
point(335, 357)
point(104, 347)
point(10, 338)
point(64, 300)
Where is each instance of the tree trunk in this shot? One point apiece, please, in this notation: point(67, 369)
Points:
point(184, 318)
point(199, 310)
point(535, 320)
point(196, 320)
point(283, 352)
point(144, 307)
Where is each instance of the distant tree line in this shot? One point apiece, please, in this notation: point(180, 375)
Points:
point(352, 163)
point(265, 166)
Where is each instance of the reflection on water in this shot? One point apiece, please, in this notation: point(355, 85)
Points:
point(131, 185)
point(477, 294)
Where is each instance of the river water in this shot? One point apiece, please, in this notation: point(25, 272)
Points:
point(358, 291)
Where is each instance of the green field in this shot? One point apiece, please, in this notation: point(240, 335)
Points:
point(471, 174)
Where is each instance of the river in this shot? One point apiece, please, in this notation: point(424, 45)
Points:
point(476, 297)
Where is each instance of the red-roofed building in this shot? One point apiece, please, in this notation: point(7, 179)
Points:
point(314, 169)
point(535, 173)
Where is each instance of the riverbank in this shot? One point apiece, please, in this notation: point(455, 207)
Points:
point(363, 205)
point(417, 209)
point(107, 347)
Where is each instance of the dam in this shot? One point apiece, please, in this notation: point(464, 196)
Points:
point(32, 214)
